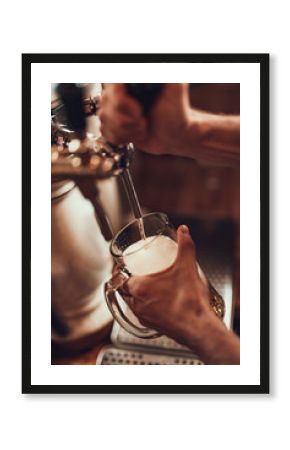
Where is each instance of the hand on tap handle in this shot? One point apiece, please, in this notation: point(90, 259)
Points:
point(155, 125)
point(145, 93)
point(169, 125)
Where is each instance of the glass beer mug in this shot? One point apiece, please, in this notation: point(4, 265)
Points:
point(144, 246)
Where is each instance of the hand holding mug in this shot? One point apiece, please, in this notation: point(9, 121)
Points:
point(168, 290)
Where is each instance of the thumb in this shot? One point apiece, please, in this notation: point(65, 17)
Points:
point(177, 91)
point(186, 248)
point(176, 88)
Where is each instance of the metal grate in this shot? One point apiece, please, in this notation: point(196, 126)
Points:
point(121, 338)
point(113, 356)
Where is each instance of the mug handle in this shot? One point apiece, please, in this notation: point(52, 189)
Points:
point(111, 289)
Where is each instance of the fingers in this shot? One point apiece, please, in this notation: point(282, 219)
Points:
point(121, 116)
point(122, 119)
point(115, 96)
point(133, 290)
point(129, 300)
point(177, 92)
point(121, 129)
point(136, 286)
point(186, 254)
point(176, 88)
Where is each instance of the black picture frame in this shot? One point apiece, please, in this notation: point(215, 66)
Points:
point(263, 61)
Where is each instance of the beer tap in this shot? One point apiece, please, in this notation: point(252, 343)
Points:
point(83, 158)
point(79, 156)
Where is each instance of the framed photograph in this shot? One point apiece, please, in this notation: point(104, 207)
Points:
point(145, 223)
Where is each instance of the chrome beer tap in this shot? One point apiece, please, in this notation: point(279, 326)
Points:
point(80, 156)
point(83, 158)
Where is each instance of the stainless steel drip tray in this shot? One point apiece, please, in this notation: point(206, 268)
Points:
point(111, 355)
point(128, 349)
point(162, 345)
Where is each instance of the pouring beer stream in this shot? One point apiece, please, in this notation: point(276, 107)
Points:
point(146, 94)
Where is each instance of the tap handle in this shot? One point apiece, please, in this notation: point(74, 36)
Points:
point(145, 93)
point(73, 99)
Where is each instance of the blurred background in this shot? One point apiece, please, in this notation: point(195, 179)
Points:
point(202, 195)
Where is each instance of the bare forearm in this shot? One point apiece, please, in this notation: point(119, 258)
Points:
point(215, 343)
point(212, 137)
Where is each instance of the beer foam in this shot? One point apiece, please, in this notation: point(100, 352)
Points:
point(150, 255)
